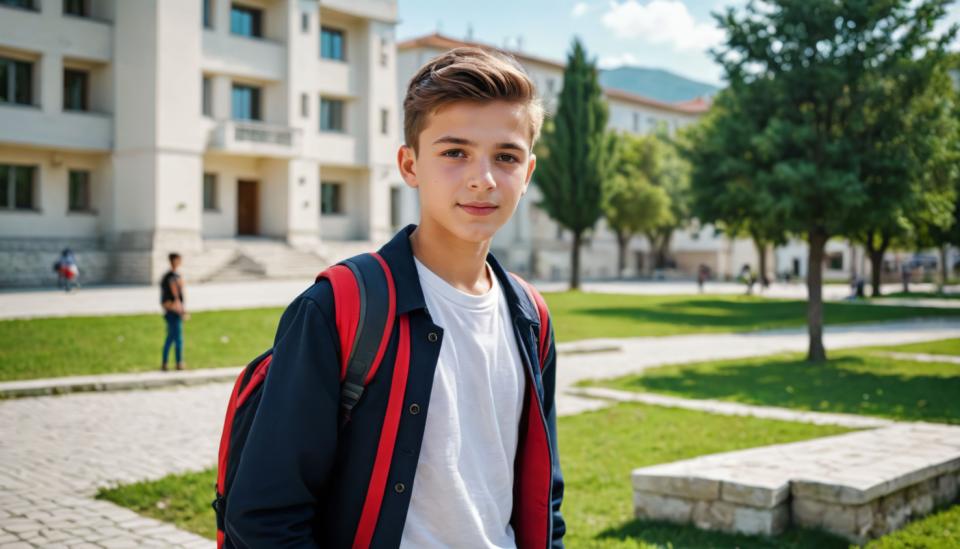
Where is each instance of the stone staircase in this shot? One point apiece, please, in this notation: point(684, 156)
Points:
point(259, 258)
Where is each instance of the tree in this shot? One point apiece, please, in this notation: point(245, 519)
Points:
point(802, 71)
point(723, 186)
point(903, 146)
point(575, 154)
point(669, 171)
point(631, 203)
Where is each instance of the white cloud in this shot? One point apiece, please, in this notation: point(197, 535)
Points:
point(580, 8)
point(614, 61)
point(661, 22)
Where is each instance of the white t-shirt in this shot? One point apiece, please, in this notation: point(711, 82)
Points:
point(463, 491)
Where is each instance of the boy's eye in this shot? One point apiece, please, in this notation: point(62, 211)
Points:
point(454, 153)
point(503, 157)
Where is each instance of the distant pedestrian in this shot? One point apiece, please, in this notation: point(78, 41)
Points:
point(905, 273)
point(747, 278)
point(174, 312)
point(703, 273)
point(68, 273)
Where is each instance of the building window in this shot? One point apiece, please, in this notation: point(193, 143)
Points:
point(304, 105)
point(331, 44)
point(16, 81)
point(305, 22)
point(330, 198)
point(636, 122)
point(384, 121)
point(76, 7)
point(210, 192)
point(551, 84)
point(25, 4)
point(79, 191)
point(384, 43)
point(75, 90)
point(208, 14)
point(16, 187)
point(207, 98)
point(246, 21)
point(835, 261)
point(331, 115)
point(246, 102)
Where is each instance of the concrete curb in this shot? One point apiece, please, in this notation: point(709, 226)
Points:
point(157, 379)
point(116, 382)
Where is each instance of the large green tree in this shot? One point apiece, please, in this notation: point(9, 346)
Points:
point(724, 190)
point(631, 203)
point(904, 145)
point(576, 153)
point(806, 70)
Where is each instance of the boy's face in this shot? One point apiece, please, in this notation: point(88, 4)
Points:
point(474, 164)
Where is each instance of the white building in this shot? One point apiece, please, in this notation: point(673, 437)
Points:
point(253, 135)
point(534, 244)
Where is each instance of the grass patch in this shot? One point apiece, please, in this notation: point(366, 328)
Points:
point(854, 381)
point(578, 315)
point(939, 530)
point(939, 347)
point(52, 347)
point(921, 295)
point(597, 465)
point(181, 499)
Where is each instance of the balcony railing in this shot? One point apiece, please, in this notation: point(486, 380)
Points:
point(255, 138)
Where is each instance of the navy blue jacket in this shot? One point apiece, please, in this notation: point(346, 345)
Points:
point(303, 482)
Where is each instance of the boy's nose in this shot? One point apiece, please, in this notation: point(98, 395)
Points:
point(482, 178)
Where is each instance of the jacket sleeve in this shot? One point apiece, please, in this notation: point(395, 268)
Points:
point(549, 374)
point(290, 450)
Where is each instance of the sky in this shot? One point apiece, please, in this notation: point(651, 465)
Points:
point(668, 34)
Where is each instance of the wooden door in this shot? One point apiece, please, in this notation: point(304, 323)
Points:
point(247, 207)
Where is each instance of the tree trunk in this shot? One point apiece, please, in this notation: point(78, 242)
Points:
point(876, 269)
point(622, 240)
point(575, 262)
point(944, 271)
point(817, 241)
point(762, 262)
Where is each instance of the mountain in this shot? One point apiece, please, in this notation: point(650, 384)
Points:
point(655, 83)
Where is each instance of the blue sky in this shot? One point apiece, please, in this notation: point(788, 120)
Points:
point(668, 34)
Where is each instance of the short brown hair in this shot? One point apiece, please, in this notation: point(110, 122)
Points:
point(468, 74)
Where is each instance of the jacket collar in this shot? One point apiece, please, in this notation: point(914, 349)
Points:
point(399, 257)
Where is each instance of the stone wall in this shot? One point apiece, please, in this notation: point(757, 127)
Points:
point(29, 262)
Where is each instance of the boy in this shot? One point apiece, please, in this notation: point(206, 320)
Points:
point(174, 312)
point(478, 422)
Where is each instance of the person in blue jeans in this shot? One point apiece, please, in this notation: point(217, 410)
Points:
point(171, 298)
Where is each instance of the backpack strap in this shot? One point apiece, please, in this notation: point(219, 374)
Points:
point(543, 314)
point(364, 304)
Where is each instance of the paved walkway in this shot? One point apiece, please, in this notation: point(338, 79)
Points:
point(57, 451)
point(109, 300)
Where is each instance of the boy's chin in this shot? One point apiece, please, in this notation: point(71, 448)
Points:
point(473, 232)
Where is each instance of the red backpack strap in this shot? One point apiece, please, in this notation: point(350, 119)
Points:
point(542, 313)
point(365, 305)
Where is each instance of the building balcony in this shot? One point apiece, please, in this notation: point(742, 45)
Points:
point(338, 149)
point(82, 131)
point(338, 79)
point(79, 37)
point(378, 10)
point(251, 138)
point(256, 58)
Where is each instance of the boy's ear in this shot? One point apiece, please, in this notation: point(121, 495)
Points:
point(407, 162)
point(531, 166)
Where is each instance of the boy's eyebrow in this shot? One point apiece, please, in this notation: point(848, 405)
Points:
point(461, 141)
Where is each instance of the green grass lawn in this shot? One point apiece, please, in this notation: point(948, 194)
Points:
point(52, 347)
point(857, 381)
point(921, 295)
point(596, 463)
point(940, 347)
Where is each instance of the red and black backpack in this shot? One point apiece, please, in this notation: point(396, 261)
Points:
point(364, 306)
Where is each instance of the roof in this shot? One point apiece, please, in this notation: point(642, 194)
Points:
point(441, 42)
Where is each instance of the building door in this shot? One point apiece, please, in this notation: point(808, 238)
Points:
point(247, 207)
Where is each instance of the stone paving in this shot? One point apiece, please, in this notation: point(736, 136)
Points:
point(57, 451)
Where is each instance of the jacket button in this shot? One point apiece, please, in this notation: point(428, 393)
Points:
point(399, 487)
point(432, 336)
point(414, 408)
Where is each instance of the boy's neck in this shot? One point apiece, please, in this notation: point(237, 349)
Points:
point(461, 264)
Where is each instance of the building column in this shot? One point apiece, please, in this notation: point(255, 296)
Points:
point(51, 83)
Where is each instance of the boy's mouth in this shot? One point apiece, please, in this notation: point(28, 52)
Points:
point(479, 208)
